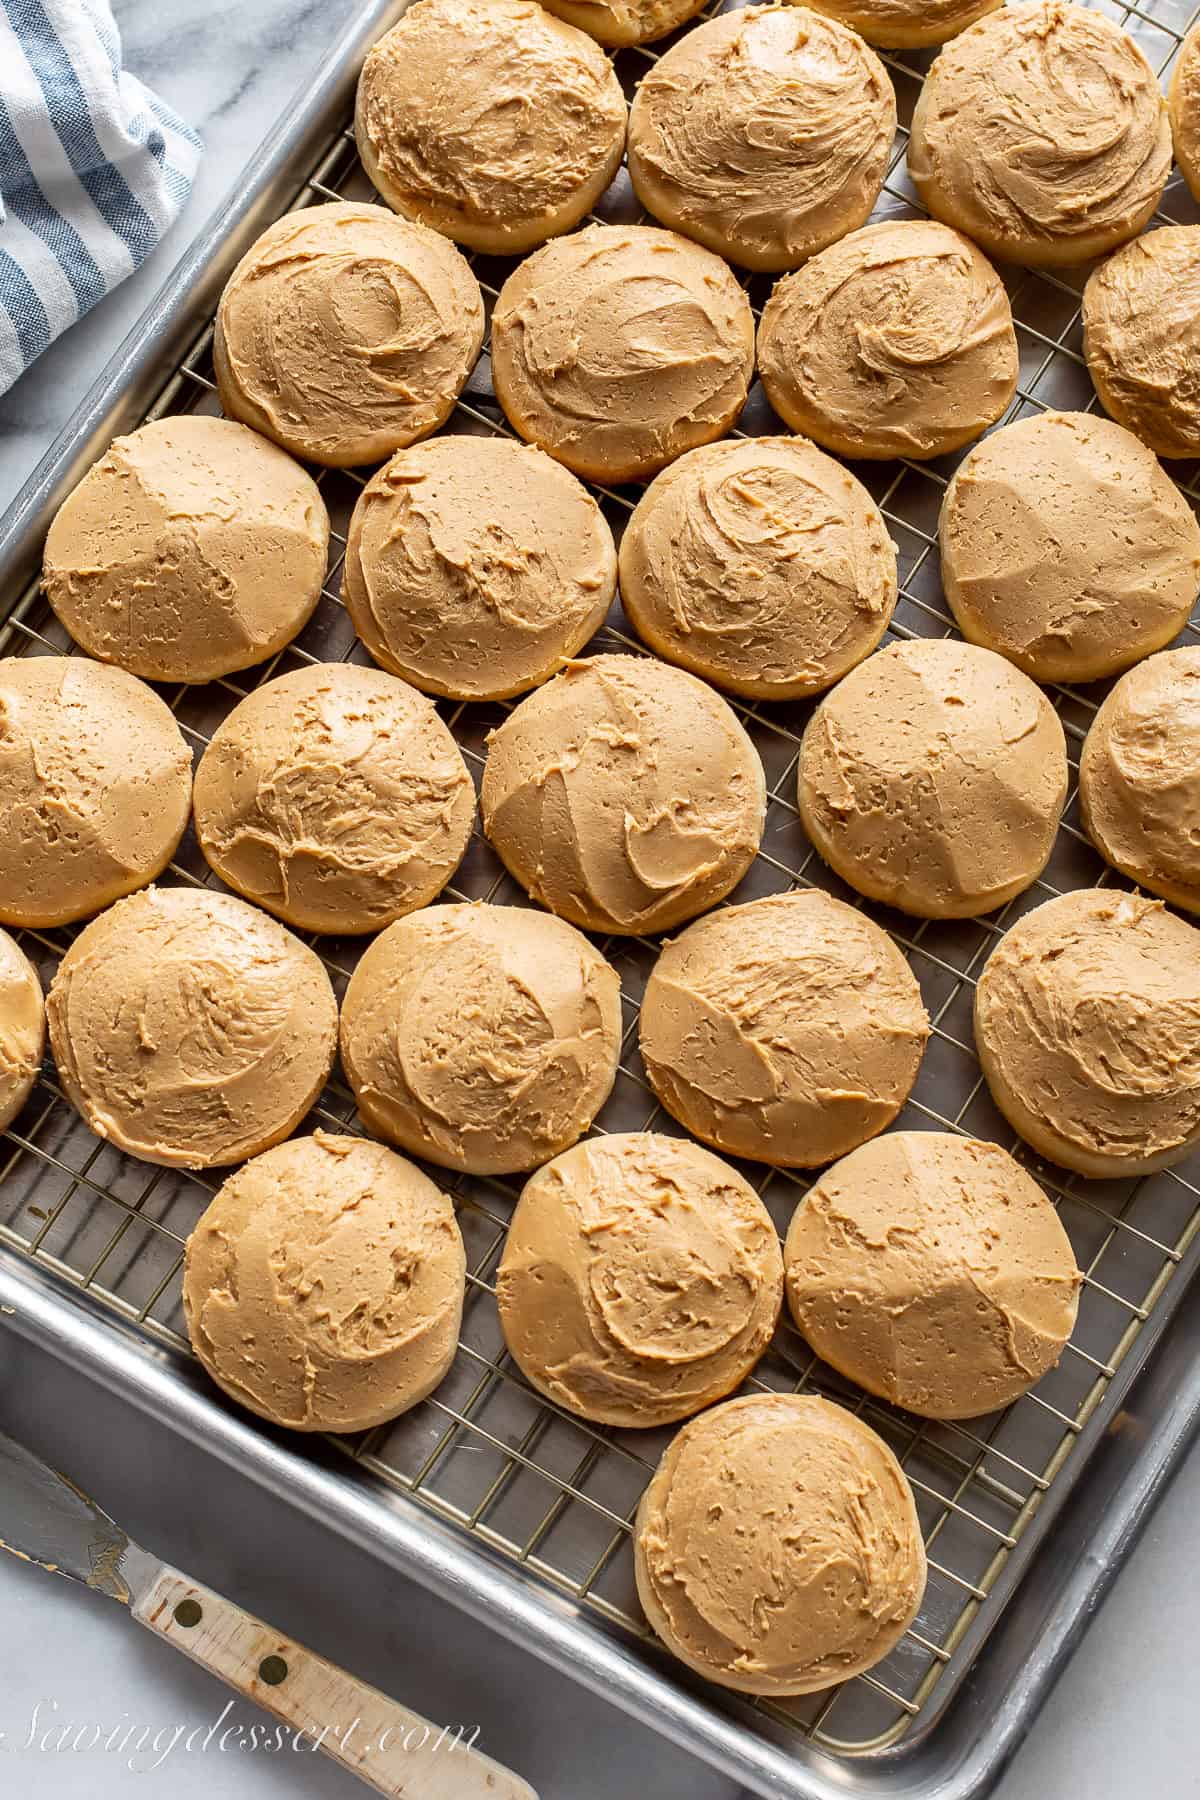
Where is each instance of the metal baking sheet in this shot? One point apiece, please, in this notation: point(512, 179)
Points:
point(520, 1511)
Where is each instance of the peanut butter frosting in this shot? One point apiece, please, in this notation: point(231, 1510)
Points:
point(490, 120)
point(641, 1279)
point(1087, 1022)
point(789, 1029)
point(22, 1028)
point(1067, 548)
point(777, 1549)
point(189, 1028)
point(192, 549)
point(336, 798)
point(933, 1271)
point(1042, 134)
point(1141, 338)
point(763, 133)
point(906, 24)
point(619, 347)
point(1139, 776)
point(323, 1286)
point(1184, 108)
point(345, 333)
point(897, 341)
point(933, 779)
point(620, 23)
point(624, 795)
point(95, 787)
point(481, 1037)
point(476, 567)
point(761, 565)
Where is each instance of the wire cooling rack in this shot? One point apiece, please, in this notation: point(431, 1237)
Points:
point(550, 1491)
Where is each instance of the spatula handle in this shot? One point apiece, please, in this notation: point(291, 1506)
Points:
point(393, 1750)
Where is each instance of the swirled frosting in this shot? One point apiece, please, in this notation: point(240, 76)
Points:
point(95, 787)
point(1184, 108)
point(933, 1271)
point(336, 798)
point(1067, 548)
point(789, 1029)
point(22, 1028)
point(624, 795)
point(481, 1037)
point(323, 1285)
point(897, 341)
point(192, 549)
point(777, 1549)
point(906, 24)
point(762, 565)
point(490, 120)
point(1042, 134)
point(1139, 776)
point(622, 22)
point(641, 1279)
point(476, 567)
point(933, 779)
point(189, 1028)
point(1141, 338)
point(345, 333)
point(763, 133)
point(1087, 1020)
point(619, 347)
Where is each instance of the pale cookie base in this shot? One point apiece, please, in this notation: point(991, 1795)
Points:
point(511, 239)
point(661, 206)
point(1057, 1149)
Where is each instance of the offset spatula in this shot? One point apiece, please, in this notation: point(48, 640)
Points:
point(46, 1519)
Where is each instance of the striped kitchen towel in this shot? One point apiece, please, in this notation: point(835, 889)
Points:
point(93, 169)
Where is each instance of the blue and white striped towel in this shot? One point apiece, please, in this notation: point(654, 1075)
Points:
point(93, 169)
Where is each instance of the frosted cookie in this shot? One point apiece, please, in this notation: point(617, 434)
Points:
point(777, 1549)
point(1067, 548)
point(336, 798)
point(764, 134)
point(760, 565)
point(933, 1271)
point(95, 787)
point(1087, 1024)
point(620, 347)
point(192, 549)
point(476, 567)
point(1139, 777)
point(788, 1030)
point(641, 1279)
point(22, 1029)
point(323, 1285)
point(933, 779)
point(624, 795)
point(189, 1028)
point(483, 1038)
point(1041, 133)
point(1184, 107)
point(490, 120)
point(619, 23)
point(1141, 338)
point(345, 333)
point(906, 24)
point(897, 341)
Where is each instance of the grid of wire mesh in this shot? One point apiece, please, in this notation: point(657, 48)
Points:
point(551, 1491)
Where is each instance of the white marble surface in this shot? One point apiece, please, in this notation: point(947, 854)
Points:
point(1122, 1722)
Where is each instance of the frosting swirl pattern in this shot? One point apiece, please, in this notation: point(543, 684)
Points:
point(1184, 108)
point(345, 333)
point(1042, 134)
point(897, 341)
point(906, 24)
point(619, 347)
point(1141, 338)
point(764, 134)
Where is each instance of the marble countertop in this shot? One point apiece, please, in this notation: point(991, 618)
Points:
point(1122, 1721)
